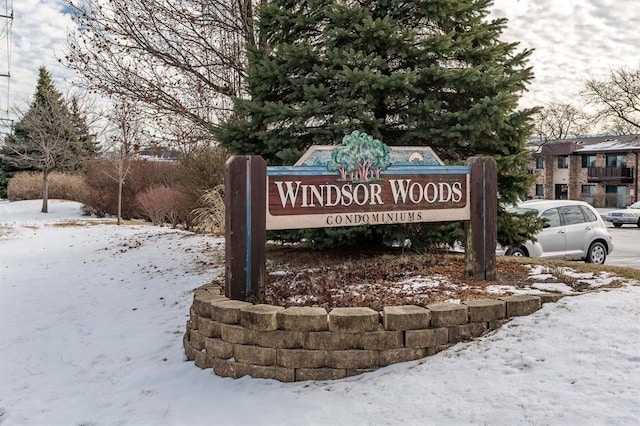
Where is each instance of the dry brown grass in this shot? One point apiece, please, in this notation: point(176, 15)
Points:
point(63, 186)
point(94, 222)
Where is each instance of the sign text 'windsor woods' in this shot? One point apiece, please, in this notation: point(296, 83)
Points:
point(294, 193)
point(321, 202)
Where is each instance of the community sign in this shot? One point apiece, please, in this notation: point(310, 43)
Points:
point(365, 182)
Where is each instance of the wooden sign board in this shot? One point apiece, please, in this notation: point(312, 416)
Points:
point(311, 197)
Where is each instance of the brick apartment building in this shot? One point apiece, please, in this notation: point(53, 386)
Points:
point(602, 170)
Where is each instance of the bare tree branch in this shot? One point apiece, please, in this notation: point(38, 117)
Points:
point(181, 58)
point(617, 98)
point(559, 121)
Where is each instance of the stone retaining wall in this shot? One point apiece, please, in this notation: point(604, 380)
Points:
point(306, 343)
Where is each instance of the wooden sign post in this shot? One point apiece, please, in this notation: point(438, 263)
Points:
point(481, 229)
point(245, 230)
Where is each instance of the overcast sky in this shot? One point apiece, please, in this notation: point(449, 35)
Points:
point(573, 40)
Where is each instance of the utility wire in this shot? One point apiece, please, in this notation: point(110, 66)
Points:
point(7, 34)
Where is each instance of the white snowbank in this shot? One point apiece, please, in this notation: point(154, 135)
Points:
point(91, 319)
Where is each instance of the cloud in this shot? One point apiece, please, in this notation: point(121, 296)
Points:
point(39, 33)
point(573, 40)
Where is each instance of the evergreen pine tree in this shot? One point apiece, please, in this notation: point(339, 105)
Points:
point(45, 137)
point(85, 146)
point(10, 162)
point(426, 72)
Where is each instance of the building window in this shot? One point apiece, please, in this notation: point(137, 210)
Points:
point(588, 189)
point(617, 160)
point(562, 191)
point(539, 163)
point(539, 190)
point(563, 162)
point(588, 161)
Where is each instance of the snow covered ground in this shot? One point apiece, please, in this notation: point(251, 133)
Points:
point(92, 317)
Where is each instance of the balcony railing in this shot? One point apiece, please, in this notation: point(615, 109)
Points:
point(610, 174)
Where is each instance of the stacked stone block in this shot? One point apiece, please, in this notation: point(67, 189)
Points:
point(237, 338)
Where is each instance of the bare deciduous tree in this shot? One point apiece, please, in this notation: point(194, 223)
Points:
point(617, 127)
point(48, 146)
point(558, 121)
point(181, 58)
point(617, 98)
point(126, 135)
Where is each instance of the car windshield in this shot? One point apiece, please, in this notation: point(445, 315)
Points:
point(635, 205)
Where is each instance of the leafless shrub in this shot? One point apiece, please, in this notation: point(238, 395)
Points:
point(102, 199)
point(161, 204)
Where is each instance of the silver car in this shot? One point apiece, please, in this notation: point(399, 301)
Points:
point(630, 216)
point(573, 230)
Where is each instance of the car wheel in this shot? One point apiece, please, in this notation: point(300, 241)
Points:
point(516, 252)
point(597, 253)
point(639, 222)
point(618, 225)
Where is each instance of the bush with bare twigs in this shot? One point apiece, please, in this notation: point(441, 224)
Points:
point(162, 204)
point(200, 172)
point(195, 174)
point(101, 200)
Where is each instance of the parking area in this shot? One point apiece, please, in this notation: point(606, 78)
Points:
point(626, 248)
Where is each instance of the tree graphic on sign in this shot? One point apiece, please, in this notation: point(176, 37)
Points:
point(361, 158)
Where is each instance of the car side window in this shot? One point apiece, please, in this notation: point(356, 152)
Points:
point(572, 215)
point(590, 215)
point(552, 216)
